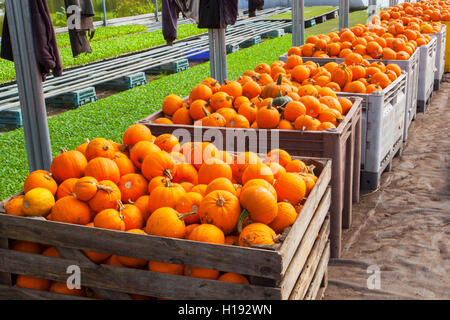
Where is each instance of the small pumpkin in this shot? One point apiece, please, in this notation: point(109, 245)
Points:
point(109, 219)
point(86, 188)
point(257, 171)
point(342, 75)
point(38, 202)
point(220, 208)
point(103, 169)
point(68, 164)
point(167, 142)
point(164, 267)
point(136, 133)
point(132, 216)
point(71, 210)
point(62, 288)
point(100, 147)
point(14, 206)
point(142, 204)
point(105, 198)
point(290, 187)
point(66, 188)
point(267, 117)
point(132, 186)
point(212, 169)
point(190, 203)
point(166, 195)
point(221, 184)
point(257, 234)
point(185, 172)
point(171, 104)
point(207, 233)
point(234, 278)
point(40, 179)
point(158, 163)
point(140, 150)
point(259, 204)
point(33, 283)
point(166, 222)
point(124, 164)
point(286, 217)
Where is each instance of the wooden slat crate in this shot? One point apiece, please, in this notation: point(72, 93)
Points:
point(342, 145)
point(295, 268)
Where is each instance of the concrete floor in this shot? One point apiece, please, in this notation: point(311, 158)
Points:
point(398, 245)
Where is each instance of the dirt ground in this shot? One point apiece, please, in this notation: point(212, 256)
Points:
point(404, 227)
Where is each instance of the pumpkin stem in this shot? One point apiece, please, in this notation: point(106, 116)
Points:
point(48, 176)
point(123, 148)
point(280, 79)
point(167, 174)
point(120, 206)
point(63, 150)
point(221, 201)
point(185, 215)
point(277, 238)
point(244, 214)
point(206, 112)
point(104, 188)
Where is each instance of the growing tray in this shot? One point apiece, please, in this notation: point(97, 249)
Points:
point(342, 145)
point(296, 268)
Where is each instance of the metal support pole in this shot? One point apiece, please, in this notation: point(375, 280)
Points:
point(344, 8)
point(372, 8)
point(105, 17)
point(218, 54)
point(156, 10)
point(298, 23)
point(29, 83)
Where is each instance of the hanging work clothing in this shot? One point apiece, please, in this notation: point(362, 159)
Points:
point(77, 33)
point(45, 45)
point(254, 5)
point(170, 13)
point(217, 14)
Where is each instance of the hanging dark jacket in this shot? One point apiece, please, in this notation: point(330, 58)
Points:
point(254, 4)
point(217, 14)
point(78, 38)
point(45, 45)
point(170, 13)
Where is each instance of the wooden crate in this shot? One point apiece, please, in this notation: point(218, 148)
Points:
point(342, 145)
point(291, 269)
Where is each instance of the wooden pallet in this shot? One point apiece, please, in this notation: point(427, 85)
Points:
point(292, 269)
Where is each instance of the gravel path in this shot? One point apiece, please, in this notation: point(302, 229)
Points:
point(403, 229)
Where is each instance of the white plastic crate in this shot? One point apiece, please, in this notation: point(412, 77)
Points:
point(383, 114)
point(440, 55)
point(410, 67)
point(427, 68)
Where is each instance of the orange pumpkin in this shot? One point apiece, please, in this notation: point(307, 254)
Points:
point(220, 208)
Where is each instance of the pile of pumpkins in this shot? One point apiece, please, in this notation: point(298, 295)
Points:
point(258, 101)
point(428, 11)
point(153, 185)
point(291, 95)
point(391, 35)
